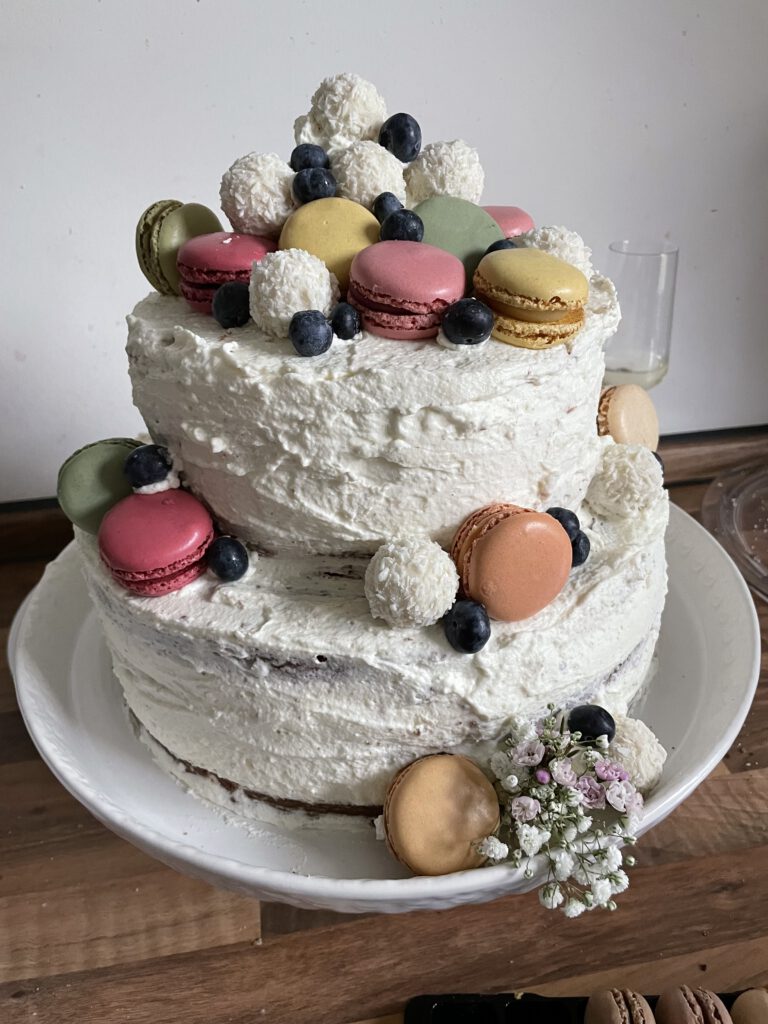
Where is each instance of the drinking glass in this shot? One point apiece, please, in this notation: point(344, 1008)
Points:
point(644, 274)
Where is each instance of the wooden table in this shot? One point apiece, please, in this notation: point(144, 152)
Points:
point(92, 930)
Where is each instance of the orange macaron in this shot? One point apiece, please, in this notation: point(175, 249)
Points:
point(514, 561)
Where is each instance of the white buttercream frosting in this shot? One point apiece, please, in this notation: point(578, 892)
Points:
point(445, 169)
point(344, 109)
point(285, 282)
point(559, 241)
point(256, 194)
point(629, 479)
point(376, 436)
point(410, 582)
point(443, 340)
point(364, 170)
point(636, 747)
point(285, 684)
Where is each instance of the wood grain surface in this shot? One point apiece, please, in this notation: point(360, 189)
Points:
point(92, 930)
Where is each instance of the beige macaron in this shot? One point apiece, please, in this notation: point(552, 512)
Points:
point(751, 1007)
point(686, 1005)
point(436, 811)
point(537, 298)
point(618, 1006)
point(514, 561)
point(628, 415)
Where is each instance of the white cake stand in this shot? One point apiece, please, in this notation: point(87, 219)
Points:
point(709, 663)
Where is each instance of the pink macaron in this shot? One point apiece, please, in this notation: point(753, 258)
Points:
point(511, 219)
point(208, 261)
point(156, 543)
point(401, 289)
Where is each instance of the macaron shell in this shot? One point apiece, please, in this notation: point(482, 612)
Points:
point(335, 230)
point(92, 480)
point(206, 262)
point(401, 327)
point(523, 334)
point(147, 231)
point(176, 228)
point(511, 219)
point(436, 810)
point(751, 1007)
point(518, 566)
point(626, 412)
point(460, 227)
point(548, 283)
point(685, 1005)
point(156, 586)
point(157, 533)
point(618, 1006)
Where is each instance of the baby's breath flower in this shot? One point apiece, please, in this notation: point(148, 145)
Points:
point(492, 848)
point(562, 863)
point(601, 890)
point(551, 896)
point(574, 907)
point(531, 838)
point(619, 882)
point(511, 783)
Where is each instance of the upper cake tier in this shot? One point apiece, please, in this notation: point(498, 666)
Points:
point(375, 437)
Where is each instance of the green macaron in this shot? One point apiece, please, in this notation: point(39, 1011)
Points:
point(91, 481)
point(459, 227)
point(162, 230)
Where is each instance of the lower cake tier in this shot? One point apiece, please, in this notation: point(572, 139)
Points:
point(283, 687)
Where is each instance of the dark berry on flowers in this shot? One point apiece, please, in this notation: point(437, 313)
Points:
point(402, 226)
point(313, 183)
point(467, 322)
point(147, 464)
point(345, 321)
point(307, 155)
point(227, 558)
point(580, 546)
point(401, 135)
point(384, 204)
point(467, 626)
point(310, 332)
point(567, 519)
point(230, 304)
point(591, 721)
point(503, 243)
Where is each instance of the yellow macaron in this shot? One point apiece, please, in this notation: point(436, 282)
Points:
point(538, 299)
point(334, 230)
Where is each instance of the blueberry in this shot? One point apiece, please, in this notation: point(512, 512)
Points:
point(591, 721)
point(567, 519)
point(401, 135)
point(147, 464)
point(467, 322)
point(345, 321)
point(310, 332)
point(580, 546)
point(402, 226)
point(385, 204)
point(313, 183)
point(230, 304)
point(307, 155)
point(502, 243)
point(227, 558)
point(467, 626)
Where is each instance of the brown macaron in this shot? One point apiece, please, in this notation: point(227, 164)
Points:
point(627, 413)
point(751, 1007)
point(436, 811)
point(618, 1006)
point(537, 298)
point(686, 1005)
point(512, 560)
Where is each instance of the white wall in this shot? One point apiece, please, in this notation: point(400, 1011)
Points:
point(610, 116)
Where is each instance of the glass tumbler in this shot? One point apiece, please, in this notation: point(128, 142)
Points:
point(644, 275)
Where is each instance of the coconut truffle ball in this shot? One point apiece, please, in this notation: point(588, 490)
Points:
point(285, 282)
point(636, 747)
point(256, 194)
point(629, 481)
point(445, 169)
point(345, 108)
point(559, 241)
point(364, 170)
point(410, 582)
